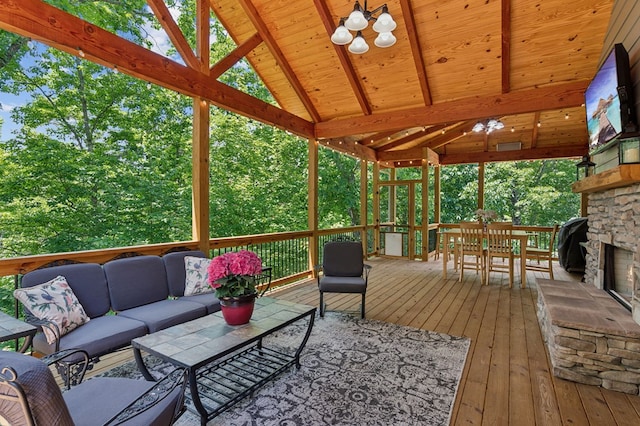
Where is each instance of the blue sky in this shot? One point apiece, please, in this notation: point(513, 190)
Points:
point(160, 44)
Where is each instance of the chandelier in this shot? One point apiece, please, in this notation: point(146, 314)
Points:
point(357, 21)
point(488, 126)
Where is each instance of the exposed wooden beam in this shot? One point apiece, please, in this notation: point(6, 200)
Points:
point(539, 99)
point(341, 52)
point(506, 46)
point(351, 148)
point(236, 55)
point(378, 137)
point(283, 63)
point(169, 25)
point(451, 135)
point(479, 157)
point(43, 22)
point(534, 132)
point(416, 50)
point(401, 141)
point(525, 154)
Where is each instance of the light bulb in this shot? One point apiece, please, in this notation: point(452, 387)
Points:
point(385, 22)
point(358, 45)
point(385, 39)
point(341, 35)
point(356, 20)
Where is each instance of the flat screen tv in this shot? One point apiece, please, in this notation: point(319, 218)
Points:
point(609, 100)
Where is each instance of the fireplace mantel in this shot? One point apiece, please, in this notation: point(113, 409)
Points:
point(617, 177)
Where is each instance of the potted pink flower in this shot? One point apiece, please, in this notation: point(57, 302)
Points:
point(232, 276)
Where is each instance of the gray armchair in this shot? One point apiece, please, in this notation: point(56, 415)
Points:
point(343, 271)
point(29, 395)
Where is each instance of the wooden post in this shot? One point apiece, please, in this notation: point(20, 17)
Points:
point(392, 198)
point(584, 203)
point(200, 134)
point(411, 252)
point(376, 207)
point(313, 205)
point(363, 205)
point(436, 194)
point(481, 185)
point(425, 205)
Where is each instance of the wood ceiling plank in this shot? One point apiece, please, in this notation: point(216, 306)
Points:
point(341, 52)
point(543, 98)
point(264, 32)
point(45, 23)
point(506, 46)
point(534, 127)
point(174, 32)
point(414, 41)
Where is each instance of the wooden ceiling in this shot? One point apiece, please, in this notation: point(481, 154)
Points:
point(455, 62)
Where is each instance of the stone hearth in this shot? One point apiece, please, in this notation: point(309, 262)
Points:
point(591, 338)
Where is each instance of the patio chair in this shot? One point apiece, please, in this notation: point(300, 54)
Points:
point(543, 257)
point(343, 271)
point(471, 245)
point(29, 395)
point(500, 249)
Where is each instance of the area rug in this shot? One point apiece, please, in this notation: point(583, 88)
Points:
point(354, 372)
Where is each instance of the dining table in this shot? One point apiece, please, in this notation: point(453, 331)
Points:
point(518, 235)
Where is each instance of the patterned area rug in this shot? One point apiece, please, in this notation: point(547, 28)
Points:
point(354, 372)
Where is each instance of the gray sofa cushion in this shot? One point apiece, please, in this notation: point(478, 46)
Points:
point(174, 266)
point(99, 336)
point(87, 280)
point(165, 313)
point(208, 300)
point(114, 394)
point(136, 281)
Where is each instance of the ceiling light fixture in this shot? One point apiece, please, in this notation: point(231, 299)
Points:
point(488, 126)
point(357, 21)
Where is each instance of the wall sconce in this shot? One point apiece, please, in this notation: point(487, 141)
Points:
point(629, 151)
point(585, 168)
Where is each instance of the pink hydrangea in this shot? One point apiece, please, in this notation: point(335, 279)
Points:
point(243, 262)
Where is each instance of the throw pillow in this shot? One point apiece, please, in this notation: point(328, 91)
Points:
point(53, 301)
point(197, 277)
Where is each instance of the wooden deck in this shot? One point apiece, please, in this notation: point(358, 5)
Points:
point(507, 378)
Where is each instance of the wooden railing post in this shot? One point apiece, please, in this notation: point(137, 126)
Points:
point(363, 205)
point(313, 205)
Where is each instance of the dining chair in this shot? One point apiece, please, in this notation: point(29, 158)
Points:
point(471, 245)
point(543, 257)
point(500, 253)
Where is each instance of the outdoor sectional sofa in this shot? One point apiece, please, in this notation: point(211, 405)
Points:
point(124, 299)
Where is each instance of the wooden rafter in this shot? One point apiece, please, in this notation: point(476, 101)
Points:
point(45, 23)
point(377, 138)
point(341, 52)
point(524, 154)
point(506, 46)
point(450, 136)
point(402, 141)
point(407, 13)
point(264, 32)
point(534, 132)
point(169, 25)
point(236, 55)
point(530, 100)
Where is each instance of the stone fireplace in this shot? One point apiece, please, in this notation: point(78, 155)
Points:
point(614, 227)
point(592, 334)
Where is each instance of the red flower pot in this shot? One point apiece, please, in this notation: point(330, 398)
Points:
point(237, 310)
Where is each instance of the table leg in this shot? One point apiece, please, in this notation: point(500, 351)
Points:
point(195, 397)
point(312, 318)
point(445, 255)
point(523, 262)
point(140, 363)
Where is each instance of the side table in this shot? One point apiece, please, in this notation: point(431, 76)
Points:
point(12, 328)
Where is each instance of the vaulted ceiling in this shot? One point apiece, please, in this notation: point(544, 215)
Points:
point(455, 62)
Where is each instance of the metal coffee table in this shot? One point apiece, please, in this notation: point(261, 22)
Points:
point(227, 363)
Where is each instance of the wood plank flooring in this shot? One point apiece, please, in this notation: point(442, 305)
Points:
point(507, 379)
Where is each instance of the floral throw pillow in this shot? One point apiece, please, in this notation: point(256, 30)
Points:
point(196, 281)
point(53, 301)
